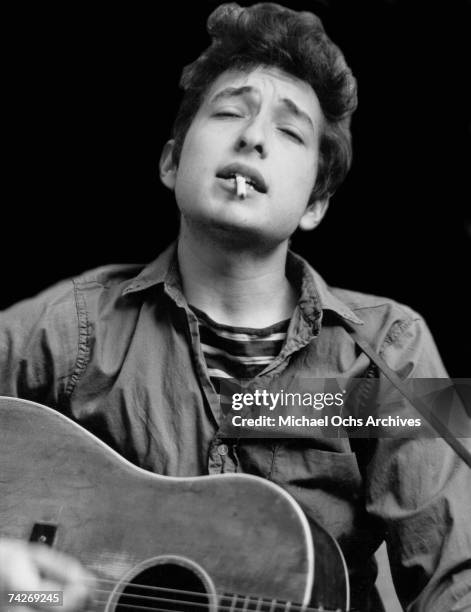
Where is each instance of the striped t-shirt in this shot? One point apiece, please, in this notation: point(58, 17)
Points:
point(238, 352)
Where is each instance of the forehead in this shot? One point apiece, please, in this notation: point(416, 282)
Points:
point(270, 85)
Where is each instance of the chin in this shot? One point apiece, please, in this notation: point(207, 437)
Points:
point(243, 236)
point(232, 227)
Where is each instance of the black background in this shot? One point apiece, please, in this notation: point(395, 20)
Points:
point(91, 94)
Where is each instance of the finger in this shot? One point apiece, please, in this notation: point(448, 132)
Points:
point(64, 573)
point(37, 567)
point(57, 566)
point(30, 567)
point(19, 571)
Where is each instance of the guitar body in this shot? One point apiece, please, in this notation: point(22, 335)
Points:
point(234, 538)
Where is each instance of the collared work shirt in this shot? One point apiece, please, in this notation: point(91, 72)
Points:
point(118, 350)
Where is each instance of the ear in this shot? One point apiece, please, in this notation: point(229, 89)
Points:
point(313, 214)
point(168, 170)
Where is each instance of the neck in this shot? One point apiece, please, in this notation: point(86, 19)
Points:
point(234, 286)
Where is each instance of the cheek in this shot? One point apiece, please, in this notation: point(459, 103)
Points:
point(299, 182)
point(301, 170)
point(192, 175)
point(188, 167)
point(197, 154)
point(189, 150)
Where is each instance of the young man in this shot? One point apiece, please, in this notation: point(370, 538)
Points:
point(261, 142)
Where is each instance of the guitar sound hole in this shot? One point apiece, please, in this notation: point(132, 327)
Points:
point(166, 586)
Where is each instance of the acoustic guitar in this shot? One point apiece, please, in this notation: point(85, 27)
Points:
point(211, 543)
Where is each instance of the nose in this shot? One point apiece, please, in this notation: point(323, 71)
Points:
point(252, 138)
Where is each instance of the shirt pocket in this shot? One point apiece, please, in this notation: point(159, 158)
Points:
point(255, 456)
point(326, 484)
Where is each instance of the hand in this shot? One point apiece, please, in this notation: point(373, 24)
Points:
point(35, 567)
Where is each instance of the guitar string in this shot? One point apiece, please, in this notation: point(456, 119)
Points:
point(278, 605)
point(178, 591)
point(218, 607)
point(259, 601)
point(294, 606)
point(167, 589)
point(140, 607)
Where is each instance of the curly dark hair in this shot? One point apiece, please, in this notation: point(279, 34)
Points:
point(271, 35)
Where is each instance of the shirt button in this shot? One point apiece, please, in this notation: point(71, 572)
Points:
point(223, 449)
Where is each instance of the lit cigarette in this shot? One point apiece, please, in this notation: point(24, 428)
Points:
point(241, 187)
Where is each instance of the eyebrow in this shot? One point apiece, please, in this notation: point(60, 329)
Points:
point(294, 109)
point(231, 92)
point(287, 103)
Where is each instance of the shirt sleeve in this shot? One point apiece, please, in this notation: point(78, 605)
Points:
point(421, 490)
point(39, 346)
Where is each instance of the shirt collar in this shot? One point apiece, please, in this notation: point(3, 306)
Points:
point(164, 269)
point(315, 295)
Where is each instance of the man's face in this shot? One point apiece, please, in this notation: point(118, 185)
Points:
point(263, 125)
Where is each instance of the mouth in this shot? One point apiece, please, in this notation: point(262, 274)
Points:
point(253, 178)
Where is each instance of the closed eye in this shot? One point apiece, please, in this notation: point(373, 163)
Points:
point(294, 135)
point(227, 114)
